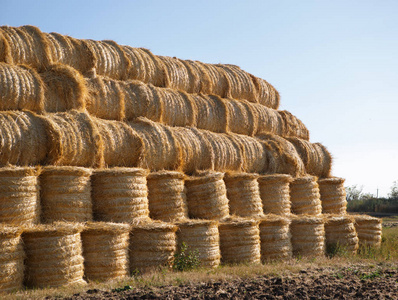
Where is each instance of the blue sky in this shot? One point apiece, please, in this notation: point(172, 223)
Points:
point(335, 63)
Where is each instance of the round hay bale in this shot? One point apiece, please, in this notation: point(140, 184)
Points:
point(152, 246)
point(11, 259)
point(119, 194)
point(275, 238)
point(340, 232)
point(53, 255)
point(219, 84)
point(28, 46)
point(275, 193)
point(199, 82)
point(316, 158)
point(65, 89)
point(72, 52)
point(74, 140)
point(122, 146)
point(305, 197)
point(177, 74)
point(292, 126)
point(266, 120)
point(21, 88)
point(166, 196)
point(241, 118)
point(267, 95)
point(207, 196)
point(66, 194)
point(5, 51)
point(333, 195)
point(240, 241)
point(201, 237)
point(19, 196)
point(139, 68)
point(161, 151)
point(111, 60)
point(308, 236)
point(212, 113)
point(369, 230)
point(105, 251)
point(243, 194)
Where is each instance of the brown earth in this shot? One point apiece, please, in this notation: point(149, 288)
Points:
point(363, 282)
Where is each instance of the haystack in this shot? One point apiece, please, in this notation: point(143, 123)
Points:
point(275, 238)
point(219, 84)
point(21, 88)
point(66, 194)
point(308, 235)
point(212, 112)
point(65, 89)
point(305, 197)
point(53, 255)
point(201, 237)
point(199, 81)
point(340, 233)
point(176, 72)
point(121, 144)
point(368, 230)
point(243, 194)
point(333, 195)
point(166, 196)
point(119, 194)
point(105, 251)
point(275, 193)
point(240, 117)
point(207, 196)
point(267, 95)
point(23, 138)
point(11, 259)
point(152, 246)
point(19, 196)
point(292, 126)
point(240, 241)
point(5, 51)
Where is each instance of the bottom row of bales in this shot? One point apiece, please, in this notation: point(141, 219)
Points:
point(61, 254)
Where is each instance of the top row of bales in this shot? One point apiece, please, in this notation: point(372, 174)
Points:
point(30, 46)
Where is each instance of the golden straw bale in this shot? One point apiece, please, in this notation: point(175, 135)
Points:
point(196, 150)
point(241, 117)
point(74, 139)
point(111, 60)
point(316, 158)
point(72, 52)
point(243, 194)
point(340, 232)
point(308, 235)
point(161, 151)
point(65, 194)
point(105, 251)
point(266, 120)
point(166, 196)
point(105, 98)
point(199, 81)
point(65, 88)
point(23, 138)
point(119, 194)
point(176, 72)
point(28, 46)
point(275, 193)
point(139, 67)
point(202, 237)
point(121, 144)
point(5, 51)
point(152, 246)
point(267, 95)
point(219, 83)
point(240, 241)
point(333, 195)
point(275, 238)
point(207, 196)
point(11, 259)
point(292, 126)
point(212, 113)
point(369, 230)
point(305, 197)
point(21, 88)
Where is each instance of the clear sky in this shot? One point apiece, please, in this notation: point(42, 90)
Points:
point(335, 63)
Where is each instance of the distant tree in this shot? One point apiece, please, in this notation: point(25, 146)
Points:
point(354, 192)
point(394, 190)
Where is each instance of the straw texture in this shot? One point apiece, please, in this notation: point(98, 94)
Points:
point(152, 246)
point(219, 84)
point(293, 127)
point(177, 74)
point(19, 196)
point(201, 236)
point(65, 194)
point(119, 194)
point(53, 255)
point(243, 194)
point(240, 241)
point(266, 93)
point(275, 193)
point(368, 230)
point(241, 117)
point(305, 197)
point(166, 196)
point(333, 195)
point(275, 238)
point(5, 51)
point(212, 112)
point(105, 251)
point(207, 196)
point(340, 231)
